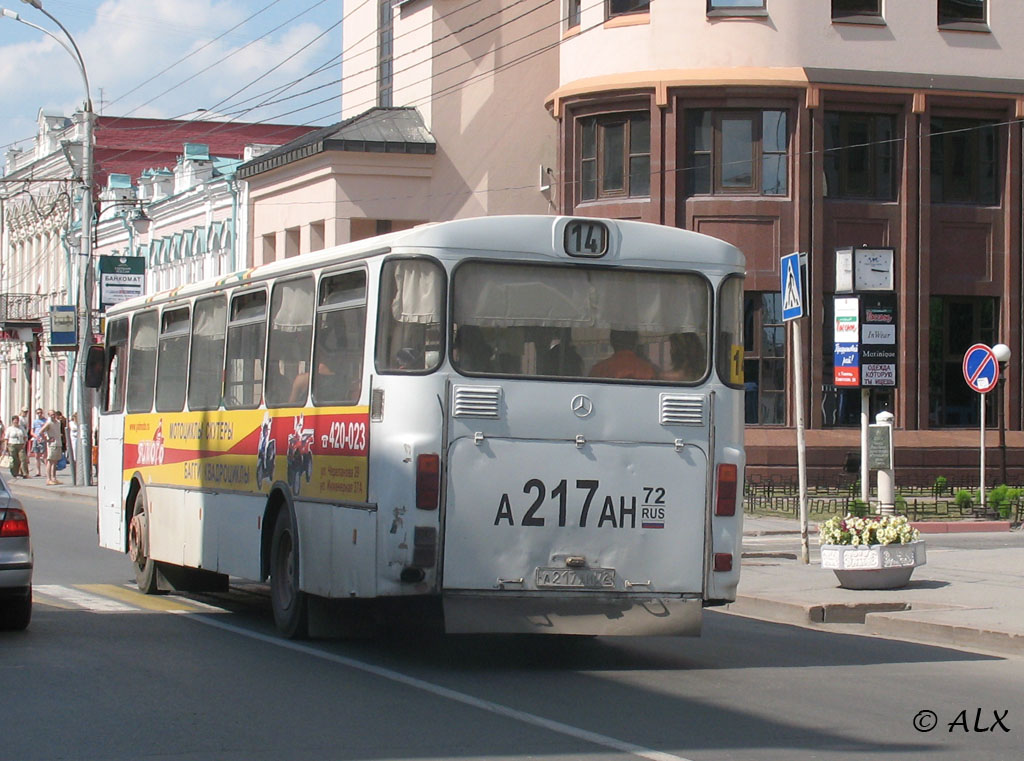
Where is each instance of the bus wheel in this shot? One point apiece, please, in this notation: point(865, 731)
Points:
point(138, 545)
point(288, 603)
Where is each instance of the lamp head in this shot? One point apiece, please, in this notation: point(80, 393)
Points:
point(37, 4)
point(139, 221)
point(1001, 353)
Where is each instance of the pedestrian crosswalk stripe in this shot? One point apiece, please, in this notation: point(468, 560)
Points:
point(110, 598)
point(81, 599)
point(132, 597)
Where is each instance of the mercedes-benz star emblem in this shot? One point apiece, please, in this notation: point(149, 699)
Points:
point(581, 405)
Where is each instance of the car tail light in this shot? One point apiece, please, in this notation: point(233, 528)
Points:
point(428, 481)
point(13, 522)
point(728, 475)
point(723, 561)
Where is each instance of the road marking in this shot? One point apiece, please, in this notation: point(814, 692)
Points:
point(445, 692)
point(80, 599)
point(160, 603)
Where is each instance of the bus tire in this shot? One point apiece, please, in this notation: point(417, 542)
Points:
point(146, 574)
point(287, 601)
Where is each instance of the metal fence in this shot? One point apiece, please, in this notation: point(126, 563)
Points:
point(774, 495)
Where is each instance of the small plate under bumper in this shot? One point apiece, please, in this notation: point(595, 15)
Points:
point(588, 613)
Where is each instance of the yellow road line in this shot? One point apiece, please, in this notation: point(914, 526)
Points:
point(149, 602)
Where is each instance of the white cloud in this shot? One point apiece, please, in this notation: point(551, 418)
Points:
point(125, 42)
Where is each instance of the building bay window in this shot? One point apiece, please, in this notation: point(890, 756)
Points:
point(963, 157)
point(742, 152)
point(859, 151)
point(615, 156)
point(764, 359)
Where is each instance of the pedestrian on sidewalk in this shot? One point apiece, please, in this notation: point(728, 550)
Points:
point(38, 443)
point(72, 440)
point(14, 445)
point(50, 433)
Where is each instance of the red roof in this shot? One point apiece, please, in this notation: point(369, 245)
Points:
point(125, 145)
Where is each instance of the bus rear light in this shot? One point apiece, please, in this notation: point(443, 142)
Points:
point(428, 481)
point(728, 475)
point(13, 522)
point(723, 561)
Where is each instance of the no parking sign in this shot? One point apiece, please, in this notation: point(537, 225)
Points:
point(981, 368)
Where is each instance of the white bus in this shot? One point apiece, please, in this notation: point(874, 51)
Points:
point(534, 423)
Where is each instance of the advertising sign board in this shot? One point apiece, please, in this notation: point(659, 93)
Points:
point(121, 278)
point(63, 328)
point(878, 339)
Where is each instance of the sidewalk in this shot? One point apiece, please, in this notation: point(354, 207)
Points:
point(963, 597)
point(38, 484)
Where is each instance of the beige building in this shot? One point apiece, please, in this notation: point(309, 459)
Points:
point(443, 116)
point(778, 125)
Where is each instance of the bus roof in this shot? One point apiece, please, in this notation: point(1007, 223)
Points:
point(513, 234)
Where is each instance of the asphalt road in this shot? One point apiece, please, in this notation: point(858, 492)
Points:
point(99, 675)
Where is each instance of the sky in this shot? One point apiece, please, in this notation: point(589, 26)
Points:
point(172, 58)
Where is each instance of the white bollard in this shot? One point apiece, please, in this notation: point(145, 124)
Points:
point(886, 483)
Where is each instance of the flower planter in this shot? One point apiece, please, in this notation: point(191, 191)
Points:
point(873, 566)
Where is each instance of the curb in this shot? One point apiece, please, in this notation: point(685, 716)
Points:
point(895, 620)
point(905, 625)
point(802, 614)
point(960, 527)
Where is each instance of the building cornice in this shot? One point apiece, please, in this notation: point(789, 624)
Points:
point(661, 81)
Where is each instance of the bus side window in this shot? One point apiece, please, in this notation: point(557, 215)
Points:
point(291, 334)
point(142, 362)
point(173, 359)
point(117, 345)
point(410, 318)
point(340, 337)
point(730, 332)
point(247, 329)
point(206, 361)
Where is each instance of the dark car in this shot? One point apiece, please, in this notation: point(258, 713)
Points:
point(15, 563)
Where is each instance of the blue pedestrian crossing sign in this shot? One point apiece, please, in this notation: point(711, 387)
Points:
point(981, 368)
point(792, 287)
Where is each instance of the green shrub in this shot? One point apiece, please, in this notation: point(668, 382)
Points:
point(1000, 500)
point(901, 504)
point(964, 499)
point(858, 507)
point(940, 485)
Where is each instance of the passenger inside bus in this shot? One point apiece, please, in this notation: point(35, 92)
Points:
point(688, 357)
point(556, 355)
point(624, 361)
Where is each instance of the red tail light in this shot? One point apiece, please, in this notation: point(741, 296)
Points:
point(728, 475)
point(13, 522)
point(723, 561)
point(428, 481)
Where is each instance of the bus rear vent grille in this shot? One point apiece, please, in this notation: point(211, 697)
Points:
point(682, 410)
point(477, 401)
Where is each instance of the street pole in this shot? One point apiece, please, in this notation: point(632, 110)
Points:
point(83, 477)
point(1002, 354)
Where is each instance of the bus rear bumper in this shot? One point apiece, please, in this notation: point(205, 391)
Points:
point(605, 615)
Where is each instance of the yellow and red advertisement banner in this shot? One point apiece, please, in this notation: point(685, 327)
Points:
point(319, 452)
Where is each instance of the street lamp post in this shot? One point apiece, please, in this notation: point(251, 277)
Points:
point(1002, 355)
point(83, 475)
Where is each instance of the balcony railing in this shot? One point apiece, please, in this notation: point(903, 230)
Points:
point(24, 307)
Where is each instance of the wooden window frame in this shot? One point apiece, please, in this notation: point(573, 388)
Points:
point(716, 185)
point(643, 6)
point(754, 353)
point(839, 155)
point(601, 123)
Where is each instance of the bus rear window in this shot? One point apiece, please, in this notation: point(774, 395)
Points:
point(579, 322)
